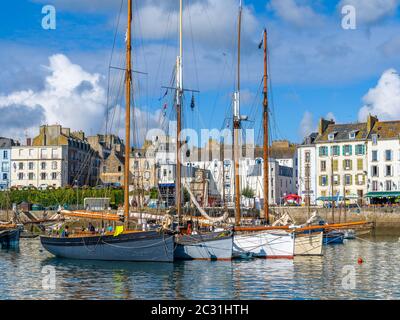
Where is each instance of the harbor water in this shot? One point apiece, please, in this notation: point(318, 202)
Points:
point(32, 273)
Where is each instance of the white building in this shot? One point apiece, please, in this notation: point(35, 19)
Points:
point(384, 161)
point(39, 166)
point(307, 170)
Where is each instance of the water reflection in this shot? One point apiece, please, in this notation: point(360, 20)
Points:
point(378, 277)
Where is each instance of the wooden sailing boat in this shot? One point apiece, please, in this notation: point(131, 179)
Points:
point(267, 243)
point(194, 245)
point(124, 244)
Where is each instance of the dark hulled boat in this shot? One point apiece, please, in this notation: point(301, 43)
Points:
point(129, 246)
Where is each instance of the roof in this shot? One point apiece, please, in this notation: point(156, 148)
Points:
point(342, 132)
point(386, 129)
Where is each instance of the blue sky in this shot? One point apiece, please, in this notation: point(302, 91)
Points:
point(317, 68)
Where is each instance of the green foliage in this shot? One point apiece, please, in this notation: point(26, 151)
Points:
point(248, 193)
point(56, 197)
point(154, 193)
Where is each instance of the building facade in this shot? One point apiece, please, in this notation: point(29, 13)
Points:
point(5, 162)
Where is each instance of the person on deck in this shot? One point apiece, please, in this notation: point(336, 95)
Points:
point(65, 232)
point(91, 228)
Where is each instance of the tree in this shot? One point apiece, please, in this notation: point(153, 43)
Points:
point(248, 193)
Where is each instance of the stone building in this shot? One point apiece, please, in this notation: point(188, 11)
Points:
point(56, 157)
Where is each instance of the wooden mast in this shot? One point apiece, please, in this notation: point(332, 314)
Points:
point(128, 79)
point(265, 125)
point(236, 127)
point(179, 91)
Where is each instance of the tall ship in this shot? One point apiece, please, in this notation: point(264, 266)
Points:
point(123, 244)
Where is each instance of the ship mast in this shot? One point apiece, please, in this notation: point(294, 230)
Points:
point(236, 126)
point(265, 125)
point(128, 80)
point(179, 93)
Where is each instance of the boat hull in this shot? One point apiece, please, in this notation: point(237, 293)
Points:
point(333, 237)
point(309, 244)
point(213, 246)
point(9, 238)
point(264, 244)
point(137, 246)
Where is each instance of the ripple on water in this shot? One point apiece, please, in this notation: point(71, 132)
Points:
point(302, 278)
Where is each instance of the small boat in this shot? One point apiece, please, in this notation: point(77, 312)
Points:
point(308, 244)
point(349, 234)
point(9, 237)
point(276, 244)
point(208, 246)
point(333, 237)
point(127, 246)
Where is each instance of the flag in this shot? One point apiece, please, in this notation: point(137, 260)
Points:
point(118, 230)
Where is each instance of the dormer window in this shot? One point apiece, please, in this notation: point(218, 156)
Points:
point(352, 134)
point(331, 136)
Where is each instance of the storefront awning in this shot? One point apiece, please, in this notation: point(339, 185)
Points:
point(383, 194)
point(336, 198)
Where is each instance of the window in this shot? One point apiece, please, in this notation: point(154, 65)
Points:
point(335, 151)
point(136, 164)
point(335, 165)
point(5, 167)
point(20, 176)
point(5, 176)
point(54, 153)
point(323, 165)
point(360, 179)
point(323, 151)
point(374, 185)
point(360, 149)
point(388, 171)
point(374, 138)
point(20, 165)
point(30, 152)
point(147, 166)
point(31, 176)
point(374, 155)
point(54, 165)
point(119, 168)
point(308, 157)
point(347, 150)
point(43, 165)
point(20, 152)
point(348, 179)
point(43, 153)
point(104, 169)
point(323, 180)
point(54, 175)
point(43, 176)
point(388, 185)
point(331, 136)
point(352, 135)
point(336, 180)
point(388, 155)
point(374, 171)
point(360, 164)
point(5, 154)
point(347, 164)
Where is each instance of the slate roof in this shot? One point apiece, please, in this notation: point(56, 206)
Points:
point(342, 132)
point(386, 130)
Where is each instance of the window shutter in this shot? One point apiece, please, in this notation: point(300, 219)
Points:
point(344, 164)
point(320, 181)
point(351, 164)
point(351, 179)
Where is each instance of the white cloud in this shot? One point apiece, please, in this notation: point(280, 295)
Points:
point(307, 124)
point(371, 11)
point(383, 100)
point(70, 96)
point(296, 14)
point(330, 116)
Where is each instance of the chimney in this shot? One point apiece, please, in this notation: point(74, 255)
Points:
point(371, 122)
point(28, 142)
point(323, 125)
